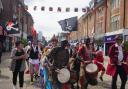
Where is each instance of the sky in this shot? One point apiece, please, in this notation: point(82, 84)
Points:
point(47, 22)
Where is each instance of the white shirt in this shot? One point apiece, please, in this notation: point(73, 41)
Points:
point(120, 54)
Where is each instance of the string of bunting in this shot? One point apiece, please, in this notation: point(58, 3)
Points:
point(59, 9)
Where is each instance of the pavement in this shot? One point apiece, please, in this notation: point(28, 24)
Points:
point(6, 77)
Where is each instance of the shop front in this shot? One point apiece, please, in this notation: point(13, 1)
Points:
point(109, 39)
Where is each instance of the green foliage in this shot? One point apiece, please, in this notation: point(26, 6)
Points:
point(24, 41)
point(126, 45)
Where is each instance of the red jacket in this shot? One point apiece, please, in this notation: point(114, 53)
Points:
point(99, 62)
point(82, 52)
point(113, 54)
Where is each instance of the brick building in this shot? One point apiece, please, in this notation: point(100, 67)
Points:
point(14, 10)
point(103, 20)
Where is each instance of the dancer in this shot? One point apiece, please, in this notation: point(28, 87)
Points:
point(98, 60)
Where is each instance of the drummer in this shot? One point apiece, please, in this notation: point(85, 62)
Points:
point(59, 57)
point(85, 52)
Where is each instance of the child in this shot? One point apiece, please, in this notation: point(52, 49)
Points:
point(98, 60)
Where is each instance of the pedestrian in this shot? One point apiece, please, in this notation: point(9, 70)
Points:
point(0, 51)
point(35, 54)
point(99, 60)
point(27, 50)
point(17, 67)
point(118, 65)
point(84, 58)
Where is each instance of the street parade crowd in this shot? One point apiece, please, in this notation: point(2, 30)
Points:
point(67, 66)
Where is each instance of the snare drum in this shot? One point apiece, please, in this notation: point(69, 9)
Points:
point(91, 71)
point(63, 75)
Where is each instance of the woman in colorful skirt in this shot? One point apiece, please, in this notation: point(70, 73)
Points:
point(44, 72)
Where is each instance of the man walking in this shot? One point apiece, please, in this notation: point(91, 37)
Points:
point(118, 65)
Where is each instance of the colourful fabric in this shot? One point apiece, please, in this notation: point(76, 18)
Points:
point(99, 62)
point(44, 74)
point(113, 54)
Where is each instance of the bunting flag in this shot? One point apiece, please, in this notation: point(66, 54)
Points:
point(50, 9)
point(76, 10)
point(69, 24)
point(35, 7)
point(42, 8)
point(59, 9)
point(67, 9)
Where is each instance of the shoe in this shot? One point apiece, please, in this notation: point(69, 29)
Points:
point(101, 78)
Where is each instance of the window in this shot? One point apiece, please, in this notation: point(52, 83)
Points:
point(115, 4)
point(99, 27)
point(100, 11)
point(115, 23)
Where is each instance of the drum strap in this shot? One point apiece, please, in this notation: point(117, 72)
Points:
point(100, 63)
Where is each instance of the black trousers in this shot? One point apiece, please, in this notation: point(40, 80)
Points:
point(21, 78)
point(0, 57)
point(123, 77)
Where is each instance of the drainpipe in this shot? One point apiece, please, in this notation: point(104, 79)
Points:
point(105, 16)
point(124, 15)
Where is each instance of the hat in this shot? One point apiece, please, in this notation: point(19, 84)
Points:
point(29, 42)
point(64, 43)
point(119, 37)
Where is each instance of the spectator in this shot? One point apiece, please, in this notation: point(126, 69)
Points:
point(18, 57)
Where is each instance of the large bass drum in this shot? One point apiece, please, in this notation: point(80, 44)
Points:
point(91, 71)
point(63, 75)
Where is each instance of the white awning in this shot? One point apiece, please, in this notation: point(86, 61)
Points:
point(125, 32)
point(114, 32)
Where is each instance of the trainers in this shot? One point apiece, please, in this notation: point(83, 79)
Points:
point(101, 78)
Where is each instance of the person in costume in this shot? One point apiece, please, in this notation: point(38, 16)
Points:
point(59, 58)
point(44, 71)
point(118, 63)
point(35, 54)
point(98, 60)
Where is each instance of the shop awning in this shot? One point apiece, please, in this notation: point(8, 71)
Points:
point(114, 32)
